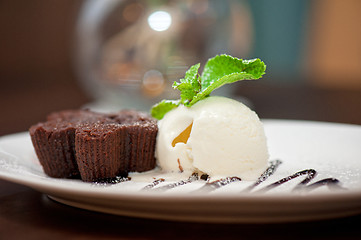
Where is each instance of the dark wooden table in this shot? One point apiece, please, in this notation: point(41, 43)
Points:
point(28, 214)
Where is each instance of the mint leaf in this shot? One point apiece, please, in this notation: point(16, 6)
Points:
point(223, 65)
point(225, 69)
point(160, 109)
point(189, 86)
point(218, 71)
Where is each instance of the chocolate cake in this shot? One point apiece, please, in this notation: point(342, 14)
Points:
point(54, 145)
point(95, 146)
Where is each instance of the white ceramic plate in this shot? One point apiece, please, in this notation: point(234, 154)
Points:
point(333, 150)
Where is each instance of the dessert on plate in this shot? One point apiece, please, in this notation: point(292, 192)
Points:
point(215, 136)
point(198, 136)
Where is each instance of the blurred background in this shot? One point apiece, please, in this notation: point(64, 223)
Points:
point(112, 54)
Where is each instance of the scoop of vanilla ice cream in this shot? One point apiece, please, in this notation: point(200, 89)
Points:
point(217, 136)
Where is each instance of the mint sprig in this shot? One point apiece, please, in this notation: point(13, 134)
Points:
point(190, 85)
point(218, 71)
point(160, 109)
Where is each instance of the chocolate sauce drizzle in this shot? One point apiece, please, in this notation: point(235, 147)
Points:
point(331, 183)
point(153, 184)
point(114, 180)
point(192, 178)
point(211, 186)
point(266, 174)
point(310, 174)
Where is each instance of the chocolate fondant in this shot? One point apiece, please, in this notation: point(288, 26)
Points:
point(95, 146)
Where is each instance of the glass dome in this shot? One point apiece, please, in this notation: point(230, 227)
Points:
point(129, 53)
